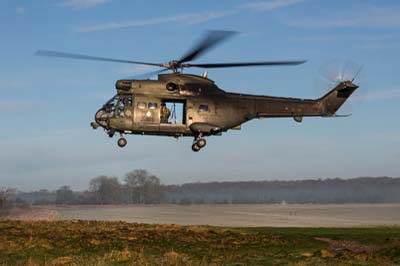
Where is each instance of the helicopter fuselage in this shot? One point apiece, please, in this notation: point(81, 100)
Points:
point(188, 105)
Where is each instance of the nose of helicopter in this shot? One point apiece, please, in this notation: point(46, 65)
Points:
point(101, 118)
point(103, 115)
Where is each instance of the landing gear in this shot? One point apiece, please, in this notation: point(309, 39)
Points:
point(122, 141)
point(195, 147)
point(201, 142)
point(198, 143)
point(111, 133)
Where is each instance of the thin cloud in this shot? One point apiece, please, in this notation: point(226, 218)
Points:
point(371, 17)
point(20, 10)
point(271, 5)
point(190, 18)
point(349, 37)
point(83, 4)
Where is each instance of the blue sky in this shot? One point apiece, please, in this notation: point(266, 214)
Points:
point(47, 104)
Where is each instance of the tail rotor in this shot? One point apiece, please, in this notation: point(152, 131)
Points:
point(336, 72)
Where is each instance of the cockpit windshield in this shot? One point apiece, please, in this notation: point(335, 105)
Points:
point(109, 106)
point(118, 106)
point(112, 101)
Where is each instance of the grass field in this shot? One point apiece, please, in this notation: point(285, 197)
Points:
point(121, 243)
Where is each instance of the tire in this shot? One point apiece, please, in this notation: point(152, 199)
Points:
point(122, 142)
point(195, 147)
point(201, 143)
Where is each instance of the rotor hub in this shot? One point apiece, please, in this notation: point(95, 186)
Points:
point(174, 65)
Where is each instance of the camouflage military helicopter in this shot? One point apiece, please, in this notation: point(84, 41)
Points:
point(178, 104)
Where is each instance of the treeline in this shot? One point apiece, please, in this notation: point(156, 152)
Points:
point(138, 187)
point(324, 191)
point(141, 187)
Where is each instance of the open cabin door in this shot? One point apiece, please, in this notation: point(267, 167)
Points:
point(173, 118)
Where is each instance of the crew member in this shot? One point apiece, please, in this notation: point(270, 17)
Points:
point(164, 113)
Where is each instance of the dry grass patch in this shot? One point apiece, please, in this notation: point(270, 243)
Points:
point(99, 243)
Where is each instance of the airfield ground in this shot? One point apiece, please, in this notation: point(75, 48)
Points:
point(254, 215)
point(120, 243)
point(175, 235)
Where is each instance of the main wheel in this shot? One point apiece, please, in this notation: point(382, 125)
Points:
point(122, 142)
point(195, 147)
point(201, 143)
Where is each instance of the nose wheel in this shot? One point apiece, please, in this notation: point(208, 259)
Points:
point(198, 144)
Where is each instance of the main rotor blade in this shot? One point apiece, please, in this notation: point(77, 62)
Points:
point(245, 64)
point(88, 57)
point(210, 40)
point(148, 74)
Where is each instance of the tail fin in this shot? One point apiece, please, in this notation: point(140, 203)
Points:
point(333, 100)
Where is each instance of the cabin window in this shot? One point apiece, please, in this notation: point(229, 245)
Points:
point(141, 105)
point(203, 108)
point(152, 106)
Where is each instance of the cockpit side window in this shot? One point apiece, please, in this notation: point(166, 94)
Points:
point(124, 106)
point(119, 106)
point(110, 104)
point(127, 101)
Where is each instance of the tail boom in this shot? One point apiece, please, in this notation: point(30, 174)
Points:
point(333, 100)
point(325, 106)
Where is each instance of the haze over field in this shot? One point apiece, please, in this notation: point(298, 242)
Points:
point(47, 104)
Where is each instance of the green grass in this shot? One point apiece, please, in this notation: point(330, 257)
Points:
point(120, 243)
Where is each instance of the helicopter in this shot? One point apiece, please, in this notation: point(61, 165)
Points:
point(187, 105)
